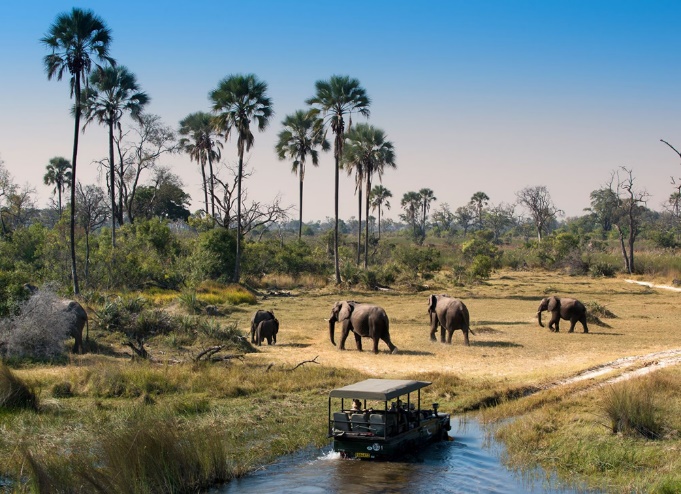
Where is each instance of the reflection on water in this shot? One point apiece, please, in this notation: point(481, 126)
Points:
point(469, 464)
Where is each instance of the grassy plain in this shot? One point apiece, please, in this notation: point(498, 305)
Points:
point(242, 413)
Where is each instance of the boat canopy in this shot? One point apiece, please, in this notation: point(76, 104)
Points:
point(378, 389)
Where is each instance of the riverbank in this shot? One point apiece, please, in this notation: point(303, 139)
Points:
point(242, 413)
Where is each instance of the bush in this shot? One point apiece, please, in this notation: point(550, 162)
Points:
point(602, 269)
point(481, 267)
point(38, 331)
point(216, 254)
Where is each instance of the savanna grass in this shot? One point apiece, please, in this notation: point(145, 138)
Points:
point(15, 393)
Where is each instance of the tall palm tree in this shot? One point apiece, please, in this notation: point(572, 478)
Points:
point(113, 91)
point(202, 148)
point(76, 38)
point(368, 145)
point(58, 174)
point(353, 160)
point(302, 134)
point(239, 100)
point(337, 98)
point(379, 198)
point(427, 197)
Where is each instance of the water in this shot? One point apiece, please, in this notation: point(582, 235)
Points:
point(469, 464)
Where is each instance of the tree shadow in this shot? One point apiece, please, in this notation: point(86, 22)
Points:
point(500, 323)
point(414, 352)
point(294, 345)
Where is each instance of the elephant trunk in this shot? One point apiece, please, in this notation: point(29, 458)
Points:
point(539, 318)
point(332, 326)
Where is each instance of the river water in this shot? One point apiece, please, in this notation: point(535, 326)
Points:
point(469, 464)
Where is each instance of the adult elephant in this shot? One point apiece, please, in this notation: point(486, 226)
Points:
point(449, 314)
point(267, 330)
point(364, 320)
point(76, 317)
point(569, 309)
point(258, 317)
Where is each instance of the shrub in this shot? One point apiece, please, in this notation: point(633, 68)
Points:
point(481, 267)
point(602, 269)
point(38, 331)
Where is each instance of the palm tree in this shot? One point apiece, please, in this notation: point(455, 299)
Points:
point(478, 201)
point(113, 91)
point(411, 203)
point(367, 145)
point(239, 100)
point(336, 98)
point(59, 175)
point(75, 38)
point(426, 198)
point(303, 132)
point(353, 160)
point(379, 198)
point(202, 148)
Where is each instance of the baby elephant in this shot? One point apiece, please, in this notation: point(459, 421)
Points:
point(267, 330)
point(563, 308)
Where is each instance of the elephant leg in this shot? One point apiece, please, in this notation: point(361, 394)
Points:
point(269, 340)
point(573, 321)
point(442, 334)
point(583, 321)
point(358, 341)
point(344, 334)
point(375, 338)
point(432, 334)
point(465, 337)
point(553, 324)
point(450, 333)
point(386, 338)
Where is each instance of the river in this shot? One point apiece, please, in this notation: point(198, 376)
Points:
point(469, 464)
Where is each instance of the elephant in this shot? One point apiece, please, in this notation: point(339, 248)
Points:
point(259, 315)
point(267, 330)
point(450, 314)
point(563, 308)
point(364, 320)
point(77, 317)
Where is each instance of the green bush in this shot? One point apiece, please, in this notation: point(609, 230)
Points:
point(216, 254)
point(602, 269)
point(481, 267)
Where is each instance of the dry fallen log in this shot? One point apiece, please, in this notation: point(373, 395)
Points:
point(313, 361)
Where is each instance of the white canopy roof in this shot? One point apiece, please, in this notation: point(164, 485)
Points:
point(378, 389)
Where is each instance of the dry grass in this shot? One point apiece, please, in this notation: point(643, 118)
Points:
point(510, 345)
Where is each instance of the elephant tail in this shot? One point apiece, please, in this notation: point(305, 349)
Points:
point(87, 329)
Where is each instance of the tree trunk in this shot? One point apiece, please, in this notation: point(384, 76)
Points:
point(205, 185)
point(627, 266)
point(212, 186)
point(74, 273)
point(336, 263)
point(300, 213)
point(366, 228)
point(237, 261)
point(379, 221)
point(112, 178)
point(359, 225)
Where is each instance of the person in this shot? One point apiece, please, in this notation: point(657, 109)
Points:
point(356, 405)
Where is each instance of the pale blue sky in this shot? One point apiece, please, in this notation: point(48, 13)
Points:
point(475, 95)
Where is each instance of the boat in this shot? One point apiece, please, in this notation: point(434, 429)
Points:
point(382, 419)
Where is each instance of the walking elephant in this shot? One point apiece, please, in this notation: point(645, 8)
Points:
point(258, 316)
point(267, 330)
point(449, 314)
point(563, 308)
point(364, 320)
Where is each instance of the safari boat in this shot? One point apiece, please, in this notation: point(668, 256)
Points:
point(382, 419)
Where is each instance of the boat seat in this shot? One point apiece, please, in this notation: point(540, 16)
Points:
point(359, 422)
point(377, 424)
point(341, 421)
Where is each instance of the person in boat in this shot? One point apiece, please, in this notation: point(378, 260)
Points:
point(356, 405)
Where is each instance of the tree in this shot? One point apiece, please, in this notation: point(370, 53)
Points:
point(74, 39)
point(465, 216)
point(379, 198)
point(58, 174)
point(426, 198)
point(367, 151)
point(7, 190)
point(499, 218)
point(604, 204)
point(153, 140)
point(538, 202)
point(113, 92)
point(302, 134)
point(477, 203)
point(411, 203)
point(238, 101)
point(629, 216)
point(163, 198)
point(202, 148)
point(444, 220)
point(92, 214)
point(337, 98)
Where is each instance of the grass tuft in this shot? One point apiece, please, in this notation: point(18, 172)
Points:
point(631, 409)
point(14, 393)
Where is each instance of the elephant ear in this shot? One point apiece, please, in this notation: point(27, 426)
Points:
point(554, 304)
point(346, 310)
point(432, 302)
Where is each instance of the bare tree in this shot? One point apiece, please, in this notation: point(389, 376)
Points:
point(629, 217)
point(91, 214)
point(538, 202)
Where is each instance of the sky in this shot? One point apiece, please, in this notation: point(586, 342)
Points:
point(488, 95)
